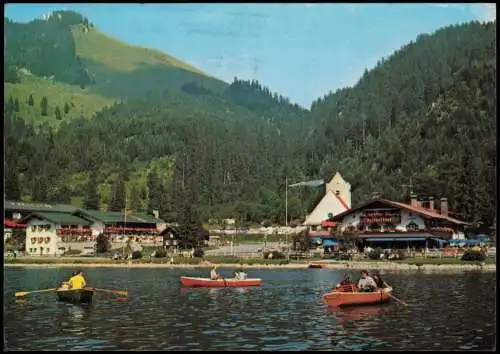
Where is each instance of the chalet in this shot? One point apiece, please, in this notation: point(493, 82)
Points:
point(45, 231)
point(15, 211)
point(337, 200)
point(387, 223)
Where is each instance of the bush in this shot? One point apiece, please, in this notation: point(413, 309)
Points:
point(470, 255)
point(199, 252)
point(185, 260)
point(72, 252)
point(136, 255)
point(375, 254)
point(160, 253)
point(273, 255)
point(222, 259)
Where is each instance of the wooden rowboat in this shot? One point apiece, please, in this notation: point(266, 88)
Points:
point(317, 265)
point(205, 282)
point(342, 297)
point(75, 295)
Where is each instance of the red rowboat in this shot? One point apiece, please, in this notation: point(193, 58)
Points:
point(205, 282)
point(348, 297)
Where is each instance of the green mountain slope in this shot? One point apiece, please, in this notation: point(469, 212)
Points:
point(427, 113)
point(380, 132)
point(66, 49)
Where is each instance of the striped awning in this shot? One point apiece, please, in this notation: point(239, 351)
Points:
point(392, 239)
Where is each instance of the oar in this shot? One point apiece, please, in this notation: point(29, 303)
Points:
point(119, 292)
point(24, 293)
point(395, 298)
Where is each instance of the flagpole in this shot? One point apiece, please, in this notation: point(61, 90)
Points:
point(124, 223)
point(286, 200)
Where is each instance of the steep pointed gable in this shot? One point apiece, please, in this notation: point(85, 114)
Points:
point(329, 204)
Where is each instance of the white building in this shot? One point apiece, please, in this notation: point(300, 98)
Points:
point(336, 200)
point(45, 232)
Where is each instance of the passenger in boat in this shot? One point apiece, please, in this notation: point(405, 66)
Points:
point(366, 283)
point(78, 281)
point(66, 284)
point(379, 281)
point(213, 274)
point(240, 274)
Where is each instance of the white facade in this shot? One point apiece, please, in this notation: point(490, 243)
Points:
point(41, 238)
point(339, 186)
point(406, 218)
point(336, 200)
point(330, 204)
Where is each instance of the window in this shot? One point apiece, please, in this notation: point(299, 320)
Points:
point(48, 250)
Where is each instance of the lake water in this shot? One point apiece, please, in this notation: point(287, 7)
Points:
point(446, 312)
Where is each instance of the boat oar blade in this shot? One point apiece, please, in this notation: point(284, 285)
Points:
point(118, 292)
point(395, 298)
point(24, 293)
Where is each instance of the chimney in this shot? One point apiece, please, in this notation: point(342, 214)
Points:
point(431, 204)
point(444, 206)
point(414, 201)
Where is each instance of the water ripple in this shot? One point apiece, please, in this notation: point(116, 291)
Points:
point(446, 312)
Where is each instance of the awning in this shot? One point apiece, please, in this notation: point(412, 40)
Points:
point(316, 240)
point(329, 243)
point(386, 239)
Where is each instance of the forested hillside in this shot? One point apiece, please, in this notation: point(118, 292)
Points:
point(66, 49)
point(427, 113)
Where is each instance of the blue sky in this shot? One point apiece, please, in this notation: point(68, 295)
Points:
point(299, 50)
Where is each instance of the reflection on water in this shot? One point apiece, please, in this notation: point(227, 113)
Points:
point(446, 312)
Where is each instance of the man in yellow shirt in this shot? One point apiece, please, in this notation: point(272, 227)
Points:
point(78, 281)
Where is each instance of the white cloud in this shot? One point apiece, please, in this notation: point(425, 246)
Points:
point(486, 12)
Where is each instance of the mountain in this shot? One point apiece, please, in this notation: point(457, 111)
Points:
point(65, 49)
point(426, 114)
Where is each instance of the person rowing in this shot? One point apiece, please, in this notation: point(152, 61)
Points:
point(78, 281)
point(366, 283)
point(213, 274)
point(378, 280)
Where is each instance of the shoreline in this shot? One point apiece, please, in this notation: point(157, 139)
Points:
point(339, 265)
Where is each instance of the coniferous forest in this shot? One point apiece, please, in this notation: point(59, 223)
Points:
point(426, 113)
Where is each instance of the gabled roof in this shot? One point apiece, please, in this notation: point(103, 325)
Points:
point(330, 203)
point(118, 217)
point(421, 211)
point(57, 218)
point(39, 207)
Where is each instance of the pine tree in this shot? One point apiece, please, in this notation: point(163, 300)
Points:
point(31, 100)
point(117, 199)
point(58, 113)
point(66, 108)
point(12, 189)
point(16, 105)
point(91, 201)
point(44, 106)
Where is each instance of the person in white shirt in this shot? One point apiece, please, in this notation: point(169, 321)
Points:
point(213, 274)
point(366, 283)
